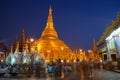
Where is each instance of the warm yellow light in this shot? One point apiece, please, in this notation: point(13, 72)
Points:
point(89, 51)
point(62, 48)
point(50, 44)
point(31, 39)
point(80, 50)
point(38, 47)
point(48, 51)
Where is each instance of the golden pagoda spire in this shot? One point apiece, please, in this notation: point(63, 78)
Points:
point(22, 36)
point(17, 48)
point(15, 43)
point(49, 44)
point(22, 42)
point(26, 48)
point(49, 31)
point(94, 46)
point(11, 49)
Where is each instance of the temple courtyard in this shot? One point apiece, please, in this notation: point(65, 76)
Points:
point(98, 74)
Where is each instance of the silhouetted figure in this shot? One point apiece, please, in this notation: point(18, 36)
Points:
point(91, 65)
point(51, 69)
point(58, 70)
point(37, 70)
point(85, 67)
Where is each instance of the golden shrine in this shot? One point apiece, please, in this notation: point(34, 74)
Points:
point(50, 45)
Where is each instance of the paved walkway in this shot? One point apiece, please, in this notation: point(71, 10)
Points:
point(106, 75)
point(97, 75)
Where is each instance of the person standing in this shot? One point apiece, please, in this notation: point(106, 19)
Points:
point(58, 70)
point(91, 65)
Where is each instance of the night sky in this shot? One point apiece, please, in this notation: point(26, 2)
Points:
point(77, 22)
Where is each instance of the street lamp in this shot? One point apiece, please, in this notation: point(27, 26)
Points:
point(80, 50)
point(89, 51)
point(31, 40)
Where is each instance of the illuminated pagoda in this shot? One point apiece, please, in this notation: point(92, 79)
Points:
point(20, 53)
point(50, 44)
point(22, 43)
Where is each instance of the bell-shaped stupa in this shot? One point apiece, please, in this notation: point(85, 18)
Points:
point(50, 44)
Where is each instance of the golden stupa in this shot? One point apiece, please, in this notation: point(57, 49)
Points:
point(49, 43)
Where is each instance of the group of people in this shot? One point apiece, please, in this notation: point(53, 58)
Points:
point(62, 69)
point(54, 69)
point(58, 69)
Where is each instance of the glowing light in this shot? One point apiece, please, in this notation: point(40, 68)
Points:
point(13, 61)
point(62, 48)
point(114, 33)
point(80, 50)
point(62, 61)
point(101, 60)
point(48, 51)
point(31, 39)
point(1, 60)
point(75, 61)
point(50, 45)
point(25, 60)
point(89, 51)
point(37, 59)
point(68, 61)
point(38, 47)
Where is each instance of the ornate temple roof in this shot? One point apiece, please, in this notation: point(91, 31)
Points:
point(22, 43)
point(108, 30)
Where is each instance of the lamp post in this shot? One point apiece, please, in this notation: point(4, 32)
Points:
point(81, 54)
point(31, 40)
point(80, 50)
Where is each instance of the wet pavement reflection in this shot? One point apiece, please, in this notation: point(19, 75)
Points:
point(79, 73)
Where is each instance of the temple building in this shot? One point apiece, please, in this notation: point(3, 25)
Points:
point(3, 51)
point(48, 47)
point(109, 43)
point(50, 44)
point(20, 52)
point(22, 43)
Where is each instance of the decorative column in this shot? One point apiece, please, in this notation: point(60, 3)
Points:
point(117, 45)
point(108, 52)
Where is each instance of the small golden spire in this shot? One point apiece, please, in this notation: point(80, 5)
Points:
point(22, 42)
point(94, 46)
point(17, 48)
point(23, 35)
point(50, 18)
point(50, 10)
point(11, 49)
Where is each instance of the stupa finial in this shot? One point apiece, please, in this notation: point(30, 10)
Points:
point(49, 31)
point(50, 10)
